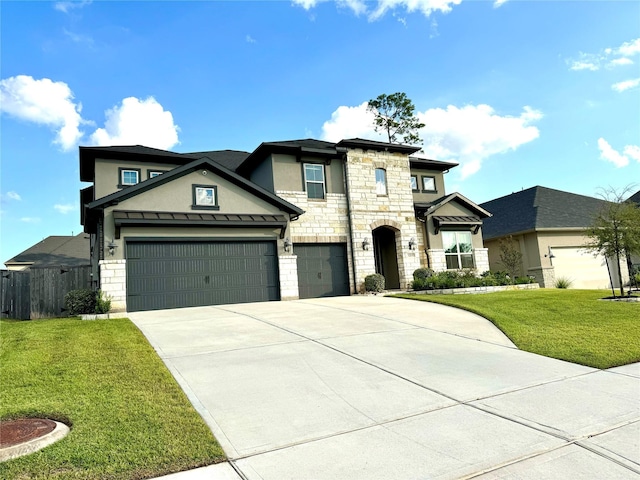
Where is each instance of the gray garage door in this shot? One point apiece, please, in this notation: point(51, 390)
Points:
point(189, 274)
point(322, 269)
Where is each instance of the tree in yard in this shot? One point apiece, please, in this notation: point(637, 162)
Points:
point(510, 257)
point(394, 115)
point(615, 231)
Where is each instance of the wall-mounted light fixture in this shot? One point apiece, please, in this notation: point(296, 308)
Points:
point(112, 247)
point(550, 255)
point(287, 245)
point(412, 243)
point(365, 244)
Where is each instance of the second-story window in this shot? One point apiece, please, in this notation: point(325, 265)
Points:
point(128, 177)
point(381, 181)
point(314, 180)
point(428, 184)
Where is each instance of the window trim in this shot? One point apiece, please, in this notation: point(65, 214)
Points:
point(122, 170)
point(417, 189)
point(384, 175)
point(305, 181)
point(458, 254)
point(435, 187)
point(159, 172)
point(197, 206)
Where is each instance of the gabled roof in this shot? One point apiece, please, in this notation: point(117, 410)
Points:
point(539, 208)
point(55, 250)
point(635, 197)
point(432, 207)
point(199, 164)
point(428, 164)
point(230, 159)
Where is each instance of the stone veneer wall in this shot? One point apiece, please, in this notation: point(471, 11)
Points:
point(545, 276)
point(369, 210)
point(288, 266)
point(113, 282)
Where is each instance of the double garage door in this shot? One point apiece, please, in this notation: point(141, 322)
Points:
point(187, 274)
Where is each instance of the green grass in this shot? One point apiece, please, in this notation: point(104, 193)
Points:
point(571, 325)
point(129, 418)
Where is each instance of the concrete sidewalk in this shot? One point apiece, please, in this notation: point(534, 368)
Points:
point(382, 388)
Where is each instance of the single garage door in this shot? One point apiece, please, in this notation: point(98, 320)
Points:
point(189, 274)
point(582, 268)
point(322, 269)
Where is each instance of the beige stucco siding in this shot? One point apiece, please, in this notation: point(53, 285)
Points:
point(425, 197)
point(107, 171)
point(434, 241)
point(288, 174)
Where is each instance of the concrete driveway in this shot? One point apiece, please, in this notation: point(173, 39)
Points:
point(368, 387)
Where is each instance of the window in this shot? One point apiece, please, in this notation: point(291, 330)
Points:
point(458, 250)
point(428, 184)
point(314, 180)
point(154, 173)
point(128, 177)
point(414, 183)
point(205, 197)
point(381, 181)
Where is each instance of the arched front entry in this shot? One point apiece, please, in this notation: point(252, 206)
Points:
point(386, 255)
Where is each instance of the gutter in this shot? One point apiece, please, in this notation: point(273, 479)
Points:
point(345, 172)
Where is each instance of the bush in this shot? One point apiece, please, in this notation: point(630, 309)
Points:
point(374, 283)
point(462, 279)
point(103, 303)
point(422, 273)
point(525, 280)
point(80, 302)
point(563, 282)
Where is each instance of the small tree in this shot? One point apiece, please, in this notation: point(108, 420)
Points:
point(394, 115)
point(510, 257)
point(615, 231)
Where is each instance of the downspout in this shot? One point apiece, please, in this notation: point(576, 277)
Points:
point(345, 172)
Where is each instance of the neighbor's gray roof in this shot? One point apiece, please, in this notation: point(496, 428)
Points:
point(635, 197)
point(538, 208)
point(56, 250)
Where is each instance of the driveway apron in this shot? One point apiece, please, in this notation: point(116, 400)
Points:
point(369, 387)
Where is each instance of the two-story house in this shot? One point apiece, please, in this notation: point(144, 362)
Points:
point(293, 219)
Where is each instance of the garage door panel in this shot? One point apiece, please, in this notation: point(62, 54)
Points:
point(322, 270)
point(581, 267)
point(182, 274)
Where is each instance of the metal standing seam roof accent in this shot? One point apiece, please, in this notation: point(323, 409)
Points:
point(457, 219)
point(123, 217)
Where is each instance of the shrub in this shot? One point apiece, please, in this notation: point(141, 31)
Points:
point(563, 282)
point(81, 301)
point(525, 280)
point(103, 303)
point(422, 273)
point(374, 283)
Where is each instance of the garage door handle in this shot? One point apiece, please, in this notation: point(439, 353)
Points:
point(320, 275)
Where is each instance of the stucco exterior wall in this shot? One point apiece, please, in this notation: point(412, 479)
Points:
point(289, 175)
point(107, 174)
point(422, 196)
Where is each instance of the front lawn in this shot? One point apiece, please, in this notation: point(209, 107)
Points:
point(129, 418)
point(572, 325)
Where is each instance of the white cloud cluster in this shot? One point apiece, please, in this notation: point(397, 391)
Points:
point(610, 58)
point(381, 7)
point(66, 7)
point(135, 121)
point(467, 135)
point(44, 102)
point(610, 154)
point(64, 208)
point(50, 103)
point(11, 195)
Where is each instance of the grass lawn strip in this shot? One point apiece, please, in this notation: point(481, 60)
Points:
point(571, 325)
point(129, 418)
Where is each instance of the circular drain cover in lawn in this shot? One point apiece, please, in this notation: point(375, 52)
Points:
point(27, 435)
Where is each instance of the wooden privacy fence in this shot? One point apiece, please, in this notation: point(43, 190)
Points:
point(39, 292)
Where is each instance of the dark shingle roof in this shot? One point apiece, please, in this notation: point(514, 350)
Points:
point(635, 197)
point(538, 208)
point(230, 159)
point(56, 250)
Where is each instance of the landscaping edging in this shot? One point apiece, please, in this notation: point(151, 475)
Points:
point(499, 288)
point(103, 316)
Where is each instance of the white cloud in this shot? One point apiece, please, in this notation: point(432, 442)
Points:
point(64, 208)
point(608, 57)
point(632, 151)
point(250, 39)
point(626, 85)
point(135, 121)
point(30, 220)
point(499, 3)
point(13, 196)
point(68, 6)
point(78, 37)
point(609, 154)
point(361, 7)
point(45, 102)
point(467, 135)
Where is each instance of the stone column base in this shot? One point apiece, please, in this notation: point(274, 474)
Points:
point(113, 283)
point(545, 276)
point(288, 266)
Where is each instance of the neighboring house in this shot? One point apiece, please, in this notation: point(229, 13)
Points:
point(293, 219)
point(635, 259)
point(548, 228)
point(53, 251)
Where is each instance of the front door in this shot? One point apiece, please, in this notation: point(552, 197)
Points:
point(384, 245)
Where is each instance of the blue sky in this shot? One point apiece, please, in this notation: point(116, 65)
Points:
point(520, 93)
